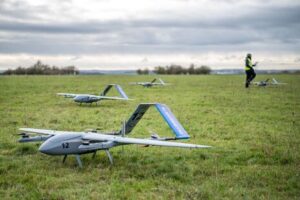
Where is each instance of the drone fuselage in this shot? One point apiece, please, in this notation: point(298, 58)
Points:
point(85, 99)
point(148, 85)
point(62, 144)
point(71, 143)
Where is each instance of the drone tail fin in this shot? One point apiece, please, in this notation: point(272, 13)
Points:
point(161, 81)
point(118, 88)
point(106, 89)
point(153, 80)
point(121, 91)
point(275, 81)
point(165, 112)
point(173, 123)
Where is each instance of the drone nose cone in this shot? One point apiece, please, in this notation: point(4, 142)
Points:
point(79, 99)
point(44, 148)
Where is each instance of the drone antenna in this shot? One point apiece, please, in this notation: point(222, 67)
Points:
point(123, 131)
point(123, 128)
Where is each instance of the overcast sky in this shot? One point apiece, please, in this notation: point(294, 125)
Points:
point(131, 34)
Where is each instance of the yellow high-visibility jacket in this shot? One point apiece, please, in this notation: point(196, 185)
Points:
point(248, 64)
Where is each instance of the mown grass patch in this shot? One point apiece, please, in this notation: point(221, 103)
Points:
point(254, 134)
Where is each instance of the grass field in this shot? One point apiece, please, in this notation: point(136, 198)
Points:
point(255, 134)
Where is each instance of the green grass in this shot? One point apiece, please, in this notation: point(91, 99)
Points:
point(254, 132)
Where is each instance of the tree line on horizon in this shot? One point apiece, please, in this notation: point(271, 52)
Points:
point(42, 69)
point(176, 69)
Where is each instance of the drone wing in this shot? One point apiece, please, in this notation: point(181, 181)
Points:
point(138, 83)
point(67, 95)
point(43, 131)
point(280, 83)
point(38, 135)
point(275, 82)
point(124, 140)
point(109, 98)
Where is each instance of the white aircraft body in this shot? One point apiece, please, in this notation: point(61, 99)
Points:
point(76, 143)
point(267, 82)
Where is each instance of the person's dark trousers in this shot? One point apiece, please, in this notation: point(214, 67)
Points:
point(250, 76)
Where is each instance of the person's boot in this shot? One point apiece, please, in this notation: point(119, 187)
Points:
point(246, 85)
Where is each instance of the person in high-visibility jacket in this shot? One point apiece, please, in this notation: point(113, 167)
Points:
point(249, 69)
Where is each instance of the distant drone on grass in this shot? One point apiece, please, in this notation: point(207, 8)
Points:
point(267, 82)
point(76, 143)
point(89, 98)
point(152, 83)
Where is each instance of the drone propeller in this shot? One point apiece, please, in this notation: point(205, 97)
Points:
point(23, 135)
point(154, 136)
point(90, 130)
point(26, 133)
point(85, 142)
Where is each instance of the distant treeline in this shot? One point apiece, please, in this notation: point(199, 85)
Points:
point(42, 69)
point(177, 69)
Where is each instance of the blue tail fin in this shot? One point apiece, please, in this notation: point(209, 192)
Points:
point(121, 91)
point(165, 112)
point(161, 81)
point(275, 81)
point(172, 121)
point(118, 88)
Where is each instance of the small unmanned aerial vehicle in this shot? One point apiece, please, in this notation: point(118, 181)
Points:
point(152, 83)
point(267, 82)
point(76, 143)
point(89, 98)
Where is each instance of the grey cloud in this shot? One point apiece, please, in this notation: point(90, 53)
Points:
point(18, 10)
point(255, 17)
point(75, 28)
point(67, 47)
point(268, 26)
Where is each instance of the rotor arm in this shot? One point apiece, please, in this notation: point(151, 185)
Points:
point(86, 145)
point(38, 138)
